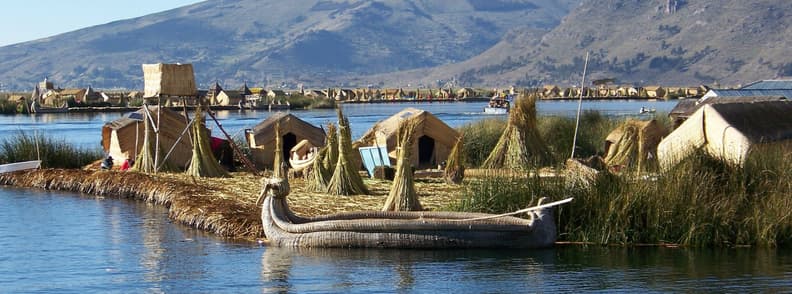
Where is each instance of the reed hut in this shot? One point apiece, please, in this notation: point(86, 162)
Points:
point(227, 97)
point(655, 91)
point(633, 144)
point(173, 81)
point(729, 131)
point(433, 143)
point(123, 137)
point(261, 139)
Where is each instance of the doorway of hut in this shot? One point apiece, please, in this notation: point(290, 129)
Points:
point(426, 146)
point(289, 141)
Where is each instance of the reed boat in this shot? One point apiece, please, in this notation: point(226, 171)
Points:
point(403, 230)
point(19, 166)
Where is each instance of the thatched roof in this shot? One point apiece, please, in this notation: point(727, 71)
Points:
point(686, 107)
point(289, 123)
point(262, 137)
point(169, 80)
point(634, 143)
point(384, 133)
point(728, 131)
point(119, 136)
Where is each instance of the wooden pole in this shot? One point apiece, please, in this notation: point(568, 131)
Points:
point(249, 165)
point(580, 105)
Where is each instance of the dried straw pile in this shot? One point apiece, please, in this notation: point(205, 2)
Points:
point(520, 147)
point(402, 195)
point(145, 159)
point(278, 163)
point(346, 180)
point(454, 171)
point(203, 163)
point(322, 168)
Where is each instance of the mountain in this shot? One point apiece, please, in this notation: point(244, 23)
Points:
point(315, 42)
point(669, 42)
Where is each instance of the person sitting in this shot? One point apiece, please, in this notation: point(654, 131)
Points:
point(107, 163)
point(128, 163)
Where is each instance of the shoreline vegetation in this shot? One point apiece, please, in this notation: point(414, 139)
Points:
point(702, 202)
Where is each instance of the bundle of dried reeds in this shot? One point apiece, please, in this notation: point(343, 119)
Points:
point(277, 162)
point(145, 160)
point(331, 142)
point(346, 179)
point(402, 195)
point(322, 170)
point(520, 146)
point(455, 165)
point(203, 163)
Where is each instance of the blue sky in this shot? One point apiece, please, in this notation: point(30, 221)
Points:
point(29, 20)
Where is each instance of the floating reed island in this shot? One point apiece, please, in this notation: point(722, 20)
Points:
point(224, 206)
point(685, 189)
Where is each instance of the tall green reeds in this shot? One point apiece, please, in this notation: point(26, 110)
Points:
point(53, 153)
point(480, 138)
point(702, 202)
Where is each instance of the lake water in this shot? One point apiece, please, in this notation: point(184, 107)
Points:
point(85, 129)
point(64, 242)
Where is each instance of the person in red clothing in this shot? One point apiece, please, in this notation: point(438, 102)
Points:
point(127, 164)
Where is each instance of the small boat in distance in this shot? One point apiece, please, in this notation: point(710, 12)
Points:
point(498, 105)
point(646, 110)
point(19, 166)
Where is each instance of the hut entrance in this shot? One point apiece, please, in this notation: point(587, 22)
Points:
point(426, 146)
point(289, 141)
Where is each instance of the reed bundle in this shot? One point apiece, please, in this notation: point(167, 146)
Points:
point(145, 160)
point(321, 171)
point(520, 147)
point(203, 163)
point(331, 142)
point(346, 180)
point(402, 195)
point(454, 171)
point(277, 162)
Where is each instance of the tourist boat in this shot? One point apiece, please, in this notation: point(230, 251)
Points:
point(19, 166)
point(646, 110)
point(403, 230)
point(302, 155)
point(498, 105)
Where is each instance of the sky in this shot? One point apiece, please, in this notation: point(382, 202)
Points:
point(30, 20)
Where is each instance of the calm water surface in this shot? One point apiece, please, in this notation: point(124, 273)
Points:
point(85, 129)
point(64, 242)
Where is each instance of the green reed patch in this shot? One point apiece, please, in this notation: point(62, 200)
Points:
point(52, 152)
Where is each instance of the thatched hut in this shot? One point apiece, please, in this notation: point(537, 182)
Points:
point(634, 144)
point(655, 91)
point(729, 131)
point(433, 143)
point(123, 137)
point(228, 97)
point(169, 80)
point(261, 139)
